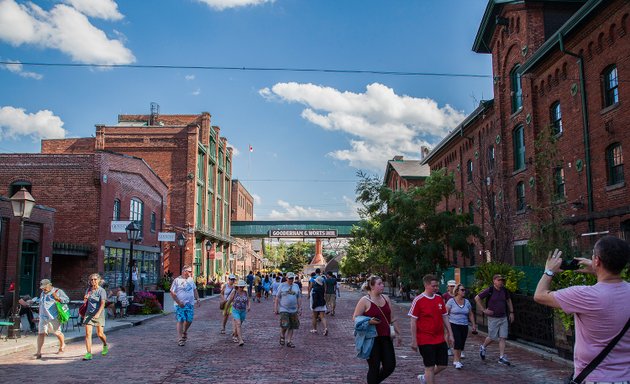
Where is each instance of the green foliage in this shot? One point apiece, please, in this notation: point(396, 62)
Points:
point(164, 283)
point(484, 273)
point(298, 255)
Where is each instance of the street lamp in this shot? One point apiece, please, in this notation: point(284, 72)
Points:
point(22, 203)
point(181, 241)
point(208, 248)
point(134, 233)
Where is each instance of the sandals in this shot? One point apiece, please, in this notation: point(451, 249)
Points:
point(235, 339)
point(185, 336)
point(181, 342)
point(223, 331)
point(313, 331)
point(62, 349)
point(326, 332)
point(290, 344)
point(241, 343)
point(38, 356)
point(281, 340)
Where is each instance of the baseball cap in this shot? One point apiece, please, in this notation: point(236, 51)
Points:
point(290, 275)
point(498, 277)
point(451, 282)
point(232, 277)
point(44, 283)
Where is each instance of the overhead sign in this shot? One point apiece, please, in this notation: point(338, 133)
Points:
point(166, 236)
point(119, 226)
point(303, 233)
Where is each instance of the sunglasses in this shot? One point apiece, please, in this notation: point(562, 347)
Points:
point(188, 270)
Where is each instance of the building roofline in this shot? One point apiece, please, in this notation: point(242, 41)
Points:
point(484, 105)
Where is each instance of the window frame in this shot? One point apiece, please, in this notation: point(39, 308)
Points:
point(518, 137)
point(520, 197)
point(491, 158)
point(559, 182)
point(516, 89)
point(135, 214)
point(469, 171)
point(555, 118)
point(610, 85)
point(116, 210)
point(614, 164)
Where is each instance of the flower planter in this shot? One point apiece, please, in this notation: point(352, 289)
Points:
point(209, 291)
point(201, 292)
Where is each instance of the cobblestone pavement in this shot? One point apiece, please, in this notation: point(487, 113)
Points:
point(149, 354)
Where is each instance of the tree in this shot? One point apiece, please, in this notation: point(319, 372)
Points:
point(297, 256)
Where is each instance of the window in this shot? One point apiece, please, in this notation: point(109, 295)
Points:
point(136, 212)
point(520, 196)
point(17, 186)
point(201, 174)
point(611, 86)
point(199, 206)
point(491, 158)
point(555, 118)
point(116, 215)
point(519, 148)
point(153, 221)
point(614, 163)
point(471, 212)
point(558, 181)
point(469, 171)
point(517, 91)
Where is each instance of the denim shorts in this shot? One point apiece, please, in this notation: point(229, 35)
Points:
point(239, 315)
point(185, 313)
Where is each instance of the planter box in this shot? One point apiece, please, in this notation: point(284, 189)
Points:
point(201, 292)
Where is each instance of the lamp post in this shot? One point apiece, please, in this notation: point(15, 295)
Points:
point(134, 233)
point(181, 241)
point(22, 203)
point(208, 248)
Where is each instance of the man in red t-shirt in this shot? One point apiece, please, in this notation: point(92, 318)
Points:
point(429, 318)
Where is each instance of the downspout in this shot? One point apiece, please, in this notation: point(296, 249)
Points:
point(587, 150)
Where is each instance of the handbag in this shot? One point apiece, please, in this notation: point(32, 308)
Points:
point(83, 309)
point(63, 313)
point(598, 359)
point(222, 305)
point(392, 330)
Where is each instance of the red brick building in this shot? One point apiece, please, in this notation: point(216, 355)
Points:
point(402, 174)
point(557, 67)
point(189, 155)
point(244, 257)
point(88, 191)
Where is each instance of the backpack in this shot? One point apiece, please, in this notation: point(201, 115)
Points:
point(508, 296)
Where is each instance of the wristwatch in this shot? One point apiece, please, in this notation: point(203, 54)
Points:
point(549, 272)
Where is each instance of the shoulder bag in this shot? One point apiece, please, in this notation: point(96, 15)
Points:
point(63, 313)
point(593, 364)
point(392, 330)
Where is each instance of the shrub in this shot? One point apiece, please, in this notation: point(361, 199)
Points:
point(483, 276)
point(150, 302)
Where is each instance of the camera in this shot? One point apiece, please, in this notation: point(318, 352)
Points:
point(570, 265)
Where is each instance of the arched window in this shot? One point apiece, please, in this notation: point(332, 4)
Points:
point(471, 212)
point(555, 117)
point(136, 210)
point(611, 86)
point(518, 141)
point(614, 164)
point(491, 158)
point(116, 213)
point(517, 91)
point(17, 185)
point(469, 171)
point(520, 196)
point(558, 181)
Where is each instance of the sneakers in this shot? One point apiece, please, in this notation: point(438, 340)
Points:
point(458, 365)
point(422, 379)
point(88, 356)
point(463, 355)
point(482, 352)
point(450, 352)
point(504, 360)
point(105, 350)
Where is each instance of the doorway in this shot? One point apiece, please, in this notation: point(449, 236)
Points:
point(29, 265)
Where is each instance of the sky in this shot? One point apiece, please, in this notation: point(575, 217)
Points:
point(320, 89)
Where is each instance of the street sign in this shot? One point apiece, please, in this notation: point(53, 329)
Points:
point(166, 236)
point(119, 226)
point(312, 233)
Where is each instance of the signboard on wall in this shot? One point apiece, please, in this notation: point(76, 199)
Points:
point(119, 226)
point(311, 233)
point(166, 236)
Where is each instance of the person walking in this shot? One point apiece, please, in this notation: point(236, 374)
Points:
point(226, 290)
point(499, 310)
point(318, 305)
point(250, 283)
point(239, 302)
point(48, 312)
point(429, 319)
point(377, 306)
point(184, 293)
point(600, 315)
point(460, 316)
point(274, 287)
point(96, 298)
point(332, 291)
point(288, 305)
point(258, 285)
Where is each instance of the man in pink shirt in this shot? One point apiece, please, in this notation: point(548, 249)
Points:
point(600, 310)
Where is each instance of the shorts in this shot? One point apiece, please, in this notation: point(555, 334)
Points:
point(239, 315)
point(434, 354)
point(460, 333)
point(185, 313)
point(497, 327)
point(331, 299)
point(48, 326)
point(289, 320)
point(95, 321)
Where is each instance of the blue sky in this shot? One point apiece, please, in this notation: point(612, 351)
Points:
point(310, 131)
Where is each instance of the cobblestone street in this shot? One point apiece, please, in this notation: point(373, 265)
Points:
point(149, 354)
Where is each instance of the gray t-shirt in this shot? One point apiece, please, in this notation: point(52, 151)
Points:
point(458, 314)
point(94, 301)
point(288, 296)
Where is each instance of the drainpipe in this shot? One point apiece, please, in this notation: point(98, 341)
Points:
point(587, 150)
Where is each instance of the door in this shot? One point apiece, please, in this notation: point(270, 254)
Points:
point(28, 266)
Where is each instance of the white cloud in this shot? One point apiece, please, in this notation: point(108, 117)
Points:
point(102, 9)
point(221, 5)
point(15, 122)
point(196, 92)
point(257, 199)
point(189, 77)
point(382, 123)
point(17, 68)
point(293, 212)
point(63, 28)
point(235, 151)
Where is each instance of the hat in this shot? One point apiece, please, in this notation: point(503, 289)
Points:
point(232, 277)
point(451, 282)
point(319, 280)
point(290, 275)
point(241, 283)
point(44, 283)
point(498, 277)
